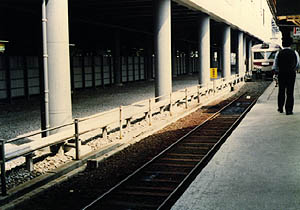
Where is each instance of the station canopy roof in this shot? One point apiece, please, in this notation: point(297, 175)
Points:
point(130, 15)
point(134, 14)
point(286, 12)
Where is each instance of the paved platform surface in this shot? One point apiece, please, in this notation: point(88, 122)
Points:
point(258, 167)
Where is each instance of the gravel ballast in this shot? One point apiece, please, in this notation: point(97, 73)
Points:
point(78, 188)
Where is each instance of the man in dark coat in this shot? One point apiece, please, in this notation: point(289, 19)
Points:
point(286, 63)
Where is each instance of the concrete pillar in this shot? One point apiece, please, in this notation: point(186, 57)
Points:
point(241, 61)
point(249, 55)
point(226, 51)
point(60, 106)
point(117, 58)
point(162, 44)
point(204, 49)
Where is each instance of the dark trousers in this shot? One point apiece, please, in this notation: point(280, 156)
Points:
point(286, 91)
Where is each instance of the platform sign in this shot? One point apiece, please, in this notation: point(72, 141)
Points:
point(296, 31)
point(213, 73)
point(2, 47)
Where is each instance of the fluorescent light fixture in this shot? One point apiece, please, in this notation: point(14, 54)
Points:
point(4, 41)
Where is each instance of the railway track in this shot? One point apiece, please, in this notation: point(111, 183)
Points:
point(161, 181)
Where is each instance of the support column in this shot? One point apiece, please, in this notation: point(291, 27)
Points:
point(226, 51)
point(60, 106)
point(117, 58)
point(249, 55)
point(241, 61)
point(204, 49)
point(162, 44)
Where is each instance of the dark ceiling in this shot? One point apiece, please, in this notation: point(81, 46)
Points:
point(92, 23)
point(92, 20)
point(286, 13)
point(124, 14)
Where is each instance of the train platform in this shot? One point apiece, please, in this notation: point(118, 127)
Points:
point(258, 167)
point(23, 117)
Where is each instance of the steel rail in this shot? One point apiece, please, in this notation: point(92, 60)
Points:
point(203, 162)
point(205, 158)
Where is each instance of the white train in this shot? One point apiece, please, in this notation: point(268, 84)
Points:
point(263, 56)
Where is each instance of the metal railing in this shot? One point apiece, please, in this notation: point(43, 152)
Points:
point(118, 116)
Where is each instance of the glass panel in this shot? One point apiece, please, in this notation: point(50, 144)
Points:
point(271, 55)
point(259, 55)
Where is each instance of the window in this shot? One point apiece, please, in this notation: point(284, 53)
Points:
point(271, 55)
point(233, 59)
point(258, 55)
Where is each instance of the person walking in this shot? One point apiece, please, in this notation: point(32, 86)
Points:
point(285, 65)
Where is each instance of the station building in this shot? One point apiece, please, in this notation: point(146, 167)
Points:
point(51, 48)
